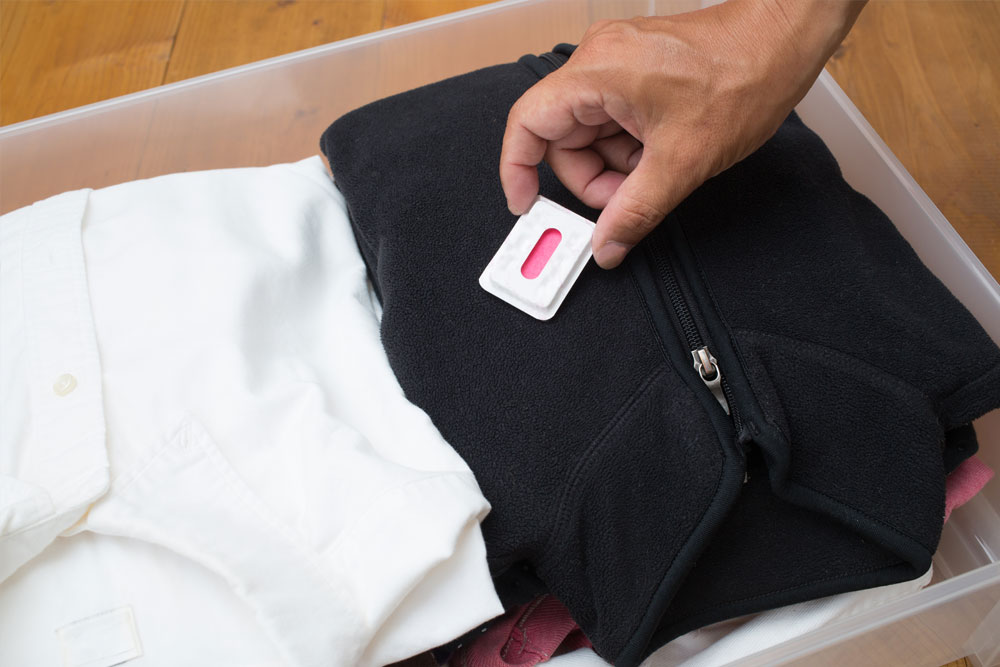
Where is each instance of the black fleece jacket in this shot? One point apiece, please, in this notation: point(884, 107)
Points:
point(614, 474)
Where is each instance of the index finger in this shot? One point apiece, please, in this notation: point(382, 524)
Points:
point(519, 158)
point(548, 111)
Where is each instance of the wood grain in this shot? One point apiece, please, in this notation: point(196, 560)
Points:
point(925, 75)
point(59, 55)
point(216, 34)
point(400, 12)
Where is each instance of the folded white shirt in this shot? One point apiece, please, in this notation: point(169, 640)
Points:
point(204, 455)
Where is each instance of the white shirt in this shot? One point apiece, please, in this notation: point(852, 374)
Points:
point(204, 455)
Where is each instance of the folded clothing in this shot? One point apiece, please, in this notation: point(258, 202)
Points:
point(527, 635)
point(616, 475)
point(964, 483)
point(196, 402)
point(729, 642)
point(544, 631)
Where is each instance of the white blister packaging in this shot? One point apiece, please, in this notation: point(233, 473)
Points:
point(540, 259)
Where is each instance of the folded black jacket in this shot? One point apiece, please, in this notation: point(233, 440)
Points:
point(614, 472)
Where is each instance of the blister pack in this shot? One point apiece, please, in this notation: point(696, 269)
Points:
point(540, 259)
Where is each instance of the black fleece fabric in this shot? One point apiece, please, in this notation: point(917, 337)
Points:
point(615, 476)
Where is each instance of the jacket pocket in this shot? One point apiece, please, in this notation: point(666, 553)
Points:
point(850, 440)
point(681, 483)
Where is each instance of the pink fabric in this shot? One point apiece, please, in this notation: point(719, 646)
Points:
point(964, 482)
point(525, 636)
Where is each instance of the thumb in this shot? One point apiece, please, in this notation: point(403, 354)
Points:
point(639, 204)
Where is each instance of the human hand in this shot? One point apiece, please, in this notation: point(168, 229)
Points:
point(647, 109)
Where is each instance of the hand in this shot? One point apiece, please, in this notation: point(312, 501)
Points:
point(647, 109)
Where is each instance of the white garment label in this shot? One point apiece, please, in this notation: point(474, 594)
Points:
point(540, 259)
point(102, 640)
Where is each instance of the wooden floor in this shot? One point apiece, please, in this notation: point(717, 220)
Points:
point(59, 54)
point(925, 74)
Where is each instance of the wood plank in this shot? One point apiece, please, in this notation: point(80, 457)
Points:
point(60, 55)
point(216, 34)
point(399, 12)
point(925, 75)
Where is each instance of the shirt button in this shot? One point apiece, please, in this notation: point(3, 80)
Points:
point(65, 384)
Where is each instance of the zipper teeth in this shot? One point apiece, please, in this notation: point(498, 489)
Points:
point(677, 300)
point(734, 412)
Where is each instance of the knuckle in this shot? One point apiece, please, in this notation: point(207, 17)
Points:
point(519, 111)
point(607, 34)
point(596, 27)
point(632, 28)
point(606, 41)
point(516, 110)
point(606, 37)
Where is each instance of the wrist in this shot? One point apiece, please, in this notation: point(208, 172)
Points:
point(814, 28)
point(793, 39)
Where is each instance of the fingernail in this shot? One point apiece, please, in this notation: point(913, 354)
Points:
point(611, 254)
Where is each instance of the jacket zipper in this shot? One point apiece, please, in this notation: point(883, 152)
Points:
point(704, 362)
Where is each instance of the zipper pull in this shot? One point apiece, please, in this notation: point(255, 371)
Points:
point(708, 371)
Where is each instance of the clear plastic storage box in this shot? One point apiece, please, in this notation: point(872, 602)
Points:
point(275, 110)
